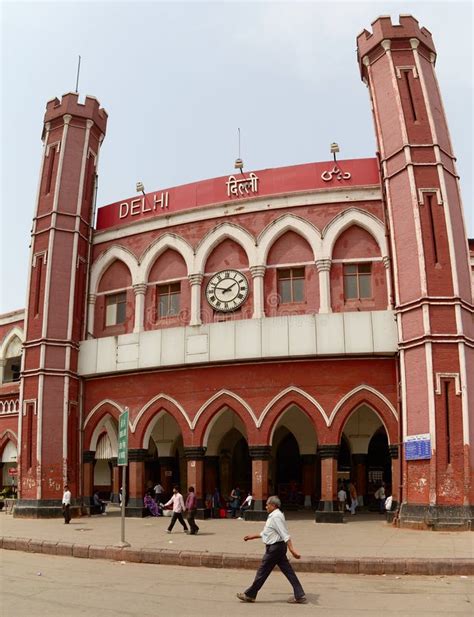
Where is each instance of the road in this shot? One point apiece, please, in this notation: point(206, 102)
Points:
point(34, 585)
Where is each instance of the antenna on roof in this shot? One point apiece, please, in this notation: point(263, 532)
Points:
point(239, 164)
point(78, 71)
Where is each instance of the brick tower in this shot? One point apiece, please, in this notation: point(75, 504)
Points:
point(431, 273)
point(49, 453)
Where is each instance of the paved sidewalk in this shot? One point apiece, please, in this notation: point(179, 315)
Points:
point(364, 544)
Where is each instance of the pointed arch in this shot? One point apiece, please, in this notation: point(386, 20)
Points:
point(375, 400)
point(5, 437)
point(144, 422)
point(107, 423)
point(167, 241)
point(208, 413)
point(216, 236)
point(15, 332)
point(301, 432)
point(103, 403)
point(347, 218)
point(280, 403)
point(106, 258)
point(288, 222)
point(106, 407)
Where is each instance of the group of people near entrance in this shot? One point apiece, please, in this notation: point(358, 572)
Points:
point(342, 500)
point(347, 498)
point(178, 505)
point(236, 504)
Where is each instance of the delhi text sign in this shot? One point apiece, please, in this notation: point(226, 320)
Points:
point(122, 457)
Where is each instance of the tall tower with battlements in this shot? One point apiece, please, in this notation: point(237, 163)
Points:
point(431, 272)
point(50, 448)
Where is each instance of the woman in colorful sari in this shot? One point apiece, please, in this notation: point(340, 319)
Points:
point(151, 505)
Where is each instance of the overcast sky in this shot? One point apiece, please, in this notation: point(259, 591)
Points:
point(177, 79)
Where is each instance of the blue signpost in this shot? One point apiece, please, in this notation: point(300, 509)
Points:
point(122, 461)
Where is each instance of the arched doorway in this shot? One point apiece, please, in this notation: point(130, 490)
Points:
point(344, 461)
point(295, 470)
point(9, 467)
point(379, 466)
point(165, 462)
point(364, 457)
point(103, 467)
point(241, 466)
point(227, 463)
point(235, 466)
point(288, 476)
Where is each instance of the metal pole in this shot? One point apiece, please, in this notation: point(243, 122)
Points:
point(77, 74)
point(124, 492)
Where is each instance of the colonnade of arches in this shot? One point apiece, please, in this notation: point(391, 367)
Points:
point(318, 250)
point(289, 455)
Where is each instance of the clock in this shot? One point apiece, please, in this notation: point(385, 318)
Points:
point(227, 290)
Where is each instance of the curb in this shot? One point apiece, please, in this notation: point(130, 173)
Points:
point(364, 565)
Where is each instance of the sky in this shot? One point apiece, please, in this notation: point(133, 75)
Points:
point(179, 78)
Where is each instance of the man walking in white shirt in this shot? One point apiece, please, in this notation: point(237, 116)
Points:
point(66, 504)
point(178, 509)
point(277, 540)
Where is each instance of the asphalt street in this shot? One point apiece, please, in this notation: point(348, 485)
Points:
point(35, 585)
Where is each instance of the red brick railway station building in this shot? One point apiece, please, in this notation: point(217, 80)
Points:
point(279, 330)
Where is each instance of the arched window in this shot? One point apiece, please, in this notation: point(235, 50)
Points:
point(115, 300)
point(358, 278)
point(11, 370)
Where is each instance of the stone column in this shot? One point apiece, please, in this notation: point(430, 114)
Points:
point(195, 462)
point(260, 456)
point(359, 474)
point(308, 464)
point(139, 291)
point(195, 280)
point(324, 267)
point(388, 282)
point(258, 276)
point(88, 460)
point(91, 315)
point(115, 480)
point(328, 511)
point(394, 450)
point(136, 482)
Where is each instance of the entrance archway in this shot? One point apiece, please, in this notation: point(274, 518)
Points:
point(227, 463)
point(295, 470)
point(364, 457)
point(288, 475)
point(379, 466)
point(9, 463)
point(104, 454)
point(165, 462)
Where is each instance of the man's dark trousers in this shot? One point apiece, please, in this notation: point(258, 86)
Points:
point(66, 514)
point(192, 523)
point(275, 555)
point(177, 516)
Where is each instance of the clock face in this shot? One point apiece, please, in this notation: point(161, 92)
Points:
point(227, 290)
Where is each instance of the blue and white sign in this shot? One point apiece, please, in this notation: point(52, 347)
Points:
point(418, 447)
